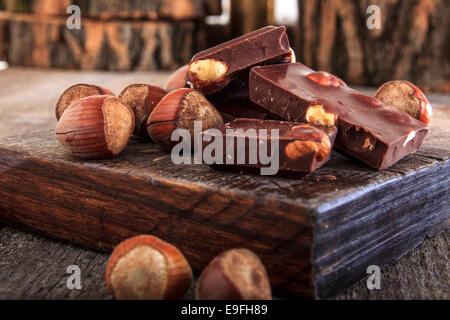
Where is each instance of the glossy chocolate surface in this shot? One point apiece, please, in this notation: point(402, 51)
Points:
point(289, 132)
point(368, 129)
point(268, 44)
point(234, 104)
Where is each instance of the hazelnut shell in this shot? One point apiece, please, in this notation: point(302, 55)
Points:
point(236, 274)
point(95, 127)
point(147, 268)
point(142, 99)
point(178, 110)
point(177, 80)
point(75, 93)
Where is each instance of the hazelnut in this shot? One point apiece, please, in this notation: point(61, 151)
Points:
point(209, 75)
point(326, 79)
point(369, 143)
point(142, 99)
point(236, 274)
point(316, 114)
point(95, 127)
point(178, 79)
point(409, 138)
point(147, 268)
point(371, 101)
point(291, 58)
point(315, 141)
point(405, 96)
point(75, 93)
point(178, 110)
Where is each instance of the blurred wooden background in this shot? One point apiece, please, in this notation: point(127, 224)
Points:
point(413, 42)
point(115, 35)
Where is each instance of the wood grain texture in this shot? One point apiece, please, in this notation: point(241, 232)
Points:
point(315, 238)
point(422, 274)
point(411, 44)
point(110, 9)
point(27, 100)
point(46, 42)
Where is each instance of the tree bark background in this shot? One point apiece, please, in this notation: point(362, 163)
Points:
point(115, 34)
point(413, 42)
point(108, 9)
point(46, 42)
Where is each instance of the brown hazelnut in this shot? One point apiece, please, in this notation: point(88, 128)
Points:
point(147, 268)
point(236, 274)
point(326, 79)
point(291, 57)
point(371, 101)
point(316, 114)
point(209, 75)
point(95, 127)
point(178, 110)
point(178, 79)
point(142, 99)
point(75, 93)
point(405, 96)
point(411, 135)
point(316, 141)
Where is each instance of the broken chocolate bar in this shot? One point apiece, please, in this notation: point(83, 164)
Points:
point(212, 70)
point(269, 144)
point(367, 129)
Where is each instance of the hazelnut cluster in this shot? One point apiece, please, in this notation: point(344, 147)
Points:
point(148, 268)
point(94, 124)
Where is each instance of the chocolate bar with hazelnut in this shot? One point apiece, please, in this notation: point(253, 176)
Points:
point(368, 130)
point(301, 147)
point(212, 70)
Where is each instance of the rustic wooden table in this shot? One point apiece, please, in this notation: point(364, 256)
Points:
point(34, 267)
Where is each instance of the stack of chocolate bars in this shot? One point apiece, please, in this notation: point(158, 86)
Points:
point(255, 82)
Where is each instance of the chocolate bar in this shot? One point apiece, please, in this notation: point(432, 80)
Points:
point(248, 110)
point(294, 147)
point(266, 45)
point(236, 104)
point(367, 129)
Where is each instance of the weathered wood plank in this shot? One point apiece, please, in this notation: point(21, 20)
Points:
point(422, 274)
point(298, 227)
point(36, 268)
point(27, 102)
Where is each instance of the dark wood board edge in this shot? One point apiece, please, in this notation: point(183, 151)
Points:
point(381, 226)
point(77, 204)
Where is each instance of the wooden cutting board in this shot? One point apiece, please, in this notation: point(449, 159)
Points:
point(315, 235)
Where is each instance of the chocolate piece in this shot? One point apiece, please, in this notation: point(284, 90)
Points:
point(301, 147)
point(234, 102)
point(234, 108)
point(368, 130)
point(266, 45)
